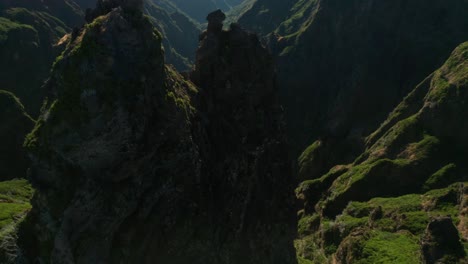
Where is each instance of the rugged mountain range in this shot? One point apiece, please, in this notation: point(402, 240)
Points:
point(135, 164)
point(344, 66)
point(417, 161)
point(33, 34)
point(135, 160)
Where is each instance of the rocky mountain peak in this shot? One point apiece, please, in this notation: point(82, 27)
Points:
point(132, 162)
point(231, 64)
point(215, 21)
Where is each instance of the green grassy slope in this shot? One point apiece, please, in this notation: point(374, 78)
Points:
point(415, 162)
point(14, 205)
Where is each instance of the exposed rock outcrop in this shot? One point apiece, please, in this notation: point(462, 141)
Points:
point(134, 164)
point(243, 125)
point(441, 242)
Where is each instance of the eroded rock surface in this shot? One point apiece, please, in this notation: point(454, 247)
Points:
point(135, 164)
point(441, 242)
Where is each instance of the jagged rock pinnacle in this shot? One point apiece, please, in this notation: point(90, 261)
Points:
point(215, 21)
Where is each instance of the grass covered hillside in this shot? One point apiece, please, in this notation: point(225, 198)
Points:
point(15, 196)
point(344, 65)
point(407, 191)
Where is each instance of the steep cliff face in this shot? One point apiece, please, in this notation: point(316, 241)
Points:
point(179, 31)
point(416, 160)
point(374, 194)
point(135, 164)
point(32, 35)
point(344, 66)
point(245, 142)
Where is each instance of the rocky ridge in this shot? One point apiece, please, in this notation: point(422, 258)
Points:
point(135, 164)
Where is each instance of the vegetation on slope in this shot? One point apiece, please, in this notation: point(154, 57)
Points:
point(29, 33)
point(344, 65)
point(415, 162)
point(14, 205)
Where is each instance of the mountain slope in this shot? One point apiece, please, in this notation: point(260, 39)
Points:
point(65, 10)
point(344, 66)
point(416, 160)
point(180, 35)
point(29, 33)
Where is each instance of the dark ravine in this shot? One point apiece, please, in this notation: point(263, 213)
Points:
point(29, 35)
point(16, 123)
point(135, 164)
